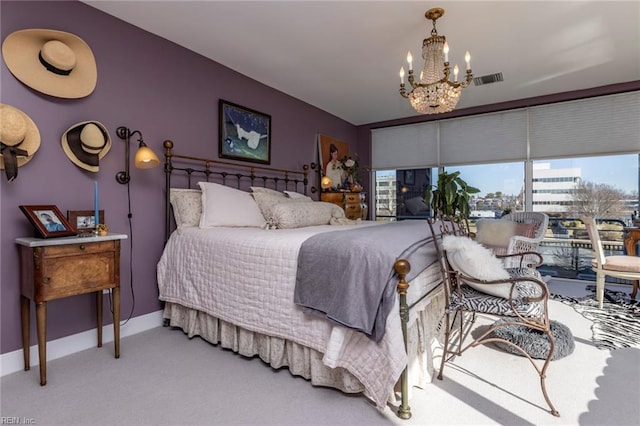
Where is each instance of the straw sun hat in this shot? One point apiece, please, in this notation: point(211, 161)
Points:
point(86, 143)
point(19, 139)
point(52, 62)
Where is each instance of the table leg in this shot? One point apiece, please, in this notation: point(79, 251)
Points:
point(99, 313)
point(116, 321)
point(41, 323)
point(25, 312)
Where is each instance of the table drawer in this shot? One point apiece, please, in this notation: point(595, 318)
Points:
point(77, 249)
point(352, 198)
point(71, 275)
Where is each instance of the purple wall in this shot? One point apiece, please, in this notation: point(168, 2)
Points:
point(145, 83)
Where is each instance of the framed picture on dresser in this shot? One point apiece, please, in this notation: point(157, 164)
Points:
point(48, 221)
point(245, 134)
point(84, 220)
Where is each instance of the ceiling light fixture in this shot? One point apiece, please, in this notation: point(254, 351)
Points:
point(435, 93)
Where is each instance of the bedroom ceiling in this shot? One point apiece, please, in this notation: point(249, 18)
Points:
point(344, 56)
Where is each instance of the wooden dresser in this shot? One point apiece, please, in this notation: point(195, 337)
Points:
point(353, 203)
point(61, 267)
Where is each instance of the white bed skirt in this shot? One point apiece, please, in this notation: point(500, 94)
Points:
point(424, 346)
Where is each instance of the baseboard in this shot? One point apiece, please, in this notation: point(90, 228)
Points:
point(14, 361)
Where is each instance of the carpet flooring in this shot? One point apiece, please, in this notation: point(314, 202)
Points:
point(165, 378)
point(616, 325)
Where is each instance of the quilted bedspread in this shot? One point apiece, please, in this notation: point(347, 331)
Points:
point(247, 276)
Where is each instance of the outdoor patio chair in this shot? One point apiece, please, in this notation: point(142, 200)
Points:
point(625, 267)
point(476, 282)
point(514, 233)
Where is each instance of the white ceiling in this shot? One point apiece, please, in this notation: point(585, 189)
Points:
point(344, 56)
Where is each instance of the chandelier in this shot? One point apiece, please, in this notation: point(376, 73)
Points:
point(435, 93)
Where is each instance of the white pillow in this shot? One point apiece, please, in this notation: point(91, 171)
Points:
point(307, 213)
point(473, 260)
point(187, 206)
point(225, 206)
point(292, 194)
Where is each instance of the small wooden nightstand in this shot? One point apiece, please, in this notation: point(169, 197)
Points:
point(353, 203)
point(61, 267)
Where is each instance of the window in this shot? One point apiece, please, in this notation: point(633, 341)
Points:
point(501, 187)
point(605, 187)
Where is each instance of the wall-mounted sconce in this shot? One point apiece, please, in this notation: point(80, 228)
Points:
point(145, 157)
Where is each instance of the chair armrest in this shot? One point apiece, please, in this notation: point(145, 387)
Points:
point(534, 259)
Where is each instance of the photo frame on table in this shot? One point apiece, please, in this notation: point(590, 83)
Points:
point(48, 221)
point(245, 134)
point(84, 220)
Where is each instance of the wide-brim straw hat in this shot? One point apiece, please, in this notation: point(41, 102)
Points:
point(17, 132)
point(53, 62)
point(86, 143)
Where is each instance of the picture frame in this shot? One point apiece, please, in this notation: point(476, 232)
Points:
point(409, 177)
point(84, 220)
point(245, 134)
point(48, 221)
point(325, 145)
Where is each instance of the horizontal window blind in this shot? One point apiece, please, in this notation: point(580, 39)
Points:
point(587, 127)
point(595, 126)
point(494, 137)
point(403, 147)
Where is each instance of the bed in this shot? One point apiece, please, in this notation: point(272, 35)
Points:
point(235, 286)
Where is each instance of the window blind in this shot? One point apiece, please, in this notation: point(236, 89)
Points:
point(587, 127)
point(403, 147)
point(484, 138)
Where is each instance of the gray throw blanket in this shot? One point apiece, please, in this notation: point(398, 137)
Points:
point(348, 276)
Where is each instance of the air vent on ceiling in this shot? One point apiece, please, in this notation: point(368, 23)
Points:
point(487, 79)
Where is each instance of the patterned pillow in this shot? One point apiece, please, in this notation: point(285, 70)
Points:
point(473, 260)
point(269, 191)
point(187, 206)
point(267, 201)
point(306, 213)
point(292, 194)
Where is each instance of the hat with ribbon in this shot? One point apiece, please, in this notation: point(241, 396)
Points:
point(53, 62)
point(86, 143)
point(19, 139)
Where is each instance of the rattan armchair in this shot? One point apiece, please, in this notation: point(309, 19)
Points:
point(518, 298)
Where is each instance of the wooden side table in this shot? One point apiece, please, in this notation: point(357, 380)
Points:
point(61, 267)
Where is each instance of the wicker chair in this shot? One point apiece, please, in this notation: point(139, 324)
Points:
point(521, 244)
point(625, 267)
point(518, 298)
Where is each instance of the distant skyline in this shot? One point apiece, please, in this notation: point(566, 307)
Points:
point(620, 171)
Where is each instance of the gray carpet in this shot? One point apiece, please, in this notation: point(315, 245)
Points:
point(165, 378)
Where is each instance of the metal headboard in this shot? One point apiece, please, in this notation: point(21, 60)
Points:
point(227, 173)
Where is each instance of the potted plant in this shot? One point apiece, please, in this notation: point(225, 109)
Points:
point(102, 229)
point(450, 197)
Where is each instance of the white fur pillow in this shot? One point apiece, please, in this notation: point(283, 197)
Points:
point(307, 213)
point(473, 260)
point(187, 206)
point(225, 206)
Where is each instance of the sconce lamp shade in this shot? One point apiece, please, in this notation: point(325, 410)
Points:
point(146, 158)
point(326, 182)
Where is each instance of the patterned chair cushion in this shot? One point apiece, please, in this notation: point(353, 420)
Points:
point(475, 300)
